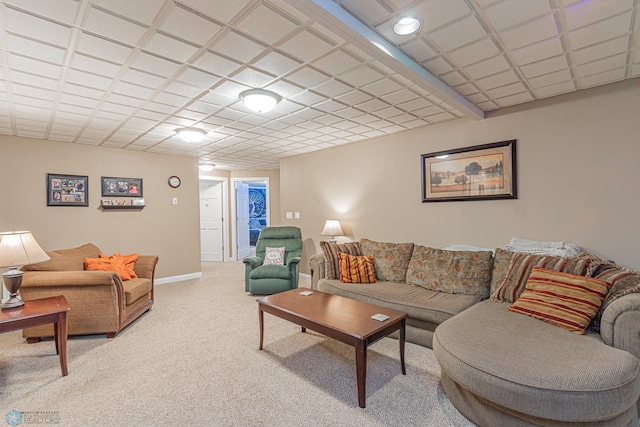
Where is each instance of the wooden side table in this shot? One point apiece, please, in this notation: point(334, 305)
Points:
point(41, 312)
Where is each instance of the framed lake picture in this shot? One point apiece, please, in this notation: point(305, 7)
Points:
point(67, 190)
point(481, 172)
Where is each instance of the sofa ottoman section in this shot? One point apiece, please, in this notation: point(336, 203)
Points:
point(542, 375)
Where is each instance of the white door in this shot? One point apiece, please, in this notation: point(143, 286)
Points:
point(242, 212)
point(211, 221)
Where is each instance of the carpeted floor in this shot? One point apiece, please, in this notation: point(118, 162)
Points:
point(193, 360)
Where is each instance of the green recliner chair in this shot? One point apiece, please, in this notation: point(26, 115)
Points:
point(260, 279)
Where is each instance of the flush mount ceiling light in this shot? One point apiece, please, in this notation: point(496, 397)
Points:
point(406, 26)
point(206, 167)
point(191, 134)
point(260, 100)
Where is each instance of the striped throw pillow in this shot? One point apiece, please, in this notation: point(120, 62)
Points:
point(623, 282)
point(330, 250)
point(357, 269)
point(520, 269)
point(562, 299)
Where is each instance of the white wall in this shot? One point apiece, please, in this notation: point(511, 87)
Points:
point(578, 180)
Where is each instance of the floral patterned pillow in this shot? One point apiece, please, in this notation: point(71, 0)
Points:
point(391, 259)
point(274, 256)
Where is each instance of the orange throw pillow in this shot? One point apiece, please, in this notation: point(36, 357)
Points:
point(356, 269)
point(125, 263)
point(106, 264)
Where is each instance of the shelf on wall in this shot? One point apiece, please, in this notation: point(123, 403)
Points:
point(122, 207)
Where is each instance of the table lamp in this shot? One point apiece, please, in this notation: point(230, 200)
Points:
point(332, 228)
point(17, 248)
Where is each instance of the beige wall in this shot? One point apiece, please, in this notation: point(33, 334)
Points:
point(162, 228)
point(577, 171)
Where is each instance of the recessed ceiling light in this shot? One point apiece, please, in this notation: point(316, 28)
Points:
point(260, 100)
point(191, 134)
point(406, 26)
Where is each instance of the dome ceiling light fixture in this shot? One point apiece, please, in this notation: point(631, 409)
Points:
point(260, 100)
point(206, 167)
point(406, 26)
point(191, 134)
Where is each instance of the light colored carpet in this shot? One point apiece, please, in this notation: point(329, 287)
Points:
point(193, 360)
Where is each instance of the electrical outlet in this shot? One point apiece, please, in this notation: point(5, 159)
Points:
point(175, 200)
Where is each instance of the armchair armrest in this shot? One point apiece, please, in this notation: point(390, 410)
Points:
point(253, 261)
point(620, 324)
point(316, 264)
point(145, 266)
point(69, 278)
point(291, 261)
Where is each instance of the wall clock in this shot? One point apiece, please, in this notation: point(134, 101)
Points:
point(174, 181)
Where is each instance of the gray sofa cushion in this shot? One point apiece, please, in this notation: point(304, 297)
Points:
point(419, 303)
point(540, 370)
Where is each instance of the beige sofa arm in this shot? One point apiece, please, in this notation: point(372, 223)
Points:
point(69, 278)
point(316, 264)
point(620, 324)
point(145, 266)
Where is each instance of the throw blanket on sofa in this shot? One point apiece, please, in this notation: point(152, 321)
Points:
point(543, 247)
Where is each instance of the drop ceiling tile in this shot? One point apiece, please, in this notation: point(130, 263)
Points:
point(474, 52)
point(170, 47)
point(518, 98)
point(93, 65)
point(238, 47)
point(550, 79)
point(538, 51)
point(78, 100)
point(355, 97)
point(197, 78)
point(485, 68)
point(189, 26)
point(35, 49)
point(372, 105)
point(466, 89)
point(513, 12)
point(347, 113)
point(183, 89)
point(307, 77)
point(89, 44)
point(453, 78)
point(329, 106)
point(284, 89)
point(497, 80)
point(437, 13)
point(87, 79)
point(361, 76)
point(28, 65)
point(171, 99)
point(307, 98)
point(35, 28)
point(507, 90)
point(601, 50)
point(533, 32)
point(142, 78)
point(419, 49)
point(32, 102)
point(219, 99)
point(592, 34)
point(327, 120)
point(263, 23)
point(543, 67)
point(414, 105)
point(224, 11)
point(216, 64)
point(438, 66)
point(458, 34)
point(587, 12)
point(607, 64)
point(556, 89)
point(277, 63)
point(132, 90)
point(400, 96)
point(59, 10)
point(382, 87)
point(368, 11)
point(252, 77)
point(336, 62)
point(154, 64)
point(113, 27)
point(332, 88)
point(141, 10)
point(306, 46)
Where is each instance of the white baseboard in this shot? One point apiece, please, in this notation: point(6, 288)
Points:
point(308, 276)
point(180, 278)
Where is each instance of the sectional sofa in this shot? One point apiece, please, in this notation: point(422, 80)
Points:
point(498, 365)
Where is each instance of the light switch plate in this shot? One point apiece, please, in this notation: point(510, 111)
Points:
point(289, 215)
point(297, 215)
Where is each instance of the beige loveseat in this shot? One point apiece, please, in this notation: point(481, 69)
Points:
point(499, 367)
point(101, 302)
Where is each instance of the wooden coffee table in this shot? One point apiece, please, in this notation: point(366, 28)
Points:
point(343, 319)
point(41, 312)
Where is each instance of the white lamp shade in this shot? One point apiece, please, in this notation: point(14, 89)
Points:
point(20, 248)
point(191, 134)
point(260, 100)
point(332, 228)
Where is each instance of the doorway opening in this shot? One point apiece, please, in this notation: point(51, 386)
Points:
point(251, 213)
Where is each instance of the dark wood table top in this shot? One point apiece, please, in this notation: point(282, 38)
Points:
point(349, 316)
point(35, 308)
